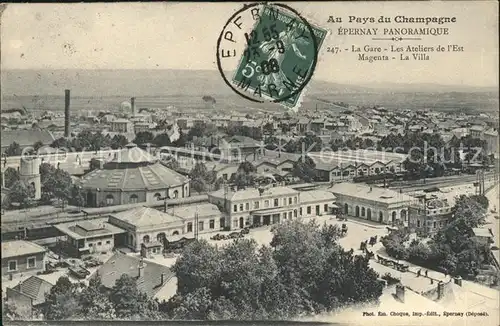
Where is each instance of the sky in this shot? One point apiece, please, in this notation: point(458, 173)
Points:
point(184, 35)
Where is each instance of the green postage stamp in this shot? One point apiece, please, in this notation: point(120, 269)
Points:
point(280, 56)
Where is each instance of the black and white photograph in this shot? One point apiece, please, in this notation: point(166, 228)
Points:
point(250, 163)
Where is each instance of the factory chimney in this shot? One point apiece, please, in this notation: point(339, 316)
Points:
point(132, 104)
point(66, 113)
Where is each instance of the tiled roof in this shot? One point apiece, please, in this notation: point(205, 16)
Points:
point(147, 217)
point(150, 176)
point(189, 211)
point(35, 288)
point(20, 248)
point(26, 137)
point(120, 264)
point(369, 193)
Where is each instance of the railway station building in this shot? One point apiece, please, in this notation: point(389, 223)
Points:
point(266, 206)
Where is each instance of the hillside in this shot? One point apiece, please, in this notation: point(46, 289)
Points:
point(100, 89)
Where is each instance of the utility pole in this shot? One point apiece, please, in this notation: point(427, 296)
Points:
point(196, 224)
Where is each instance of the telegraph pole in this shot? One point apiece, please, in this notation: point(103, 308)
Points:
point(196, 224)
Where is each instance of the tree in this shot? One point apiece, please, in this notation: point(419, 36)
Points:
point(201, 178)
point(37, 145)
point(482, 200)
point(128, 301)
point(453, 249)
point(11, 311)
point(143, 137)
point(21, 193)
point(244, 176)
point(162, 140)
point(303, 271)
point(305, 169)
point(61, 143)
point(268, 128)
point(304, 145)
point(56, 182)
point(11, 176)
point(247, 167)
point(94, 302)
point(94, 164)
point(62, 302)
point(77, 197)
point(118, 141)
point(218, 183)
point(14, 149)
point(181, 141)
point(198, 130)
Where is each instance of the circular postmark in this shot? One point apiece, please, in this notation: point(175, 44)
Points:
point(268, 52)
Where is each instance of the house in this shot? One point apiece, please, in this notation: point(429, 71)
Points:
point(28, 295)
point(144, 225)
point(151, 278)
point(372, 203)
point(237, 148)
point(87, 237)
point(429, 214)
point(20, 256)
point(303, 125)
point(476, 131)
point(121, 126)
point(317, 125)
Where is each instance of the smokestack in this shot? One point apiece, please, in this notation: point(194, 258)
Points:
point(132, 104)
point(66, 112)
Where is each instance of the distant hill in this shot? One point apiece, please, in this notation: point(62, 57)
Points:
point(106, 89)
point(428, 88)
point(170, 82)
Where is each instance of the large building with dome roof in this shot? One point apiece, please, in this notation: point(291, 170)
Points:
point(132, 176)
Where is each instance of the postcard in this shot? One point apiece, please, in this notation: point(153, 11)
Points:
point(250, 162)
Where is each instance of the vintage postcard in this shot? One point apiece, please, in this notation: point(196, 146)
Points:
point(250, 162)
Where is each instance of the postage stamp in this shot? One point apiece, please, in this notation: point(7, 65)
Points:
point(279, 57)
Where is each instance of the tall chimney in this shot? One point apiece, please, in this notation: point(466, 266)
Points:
point(66, 112)
point(132, 104)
